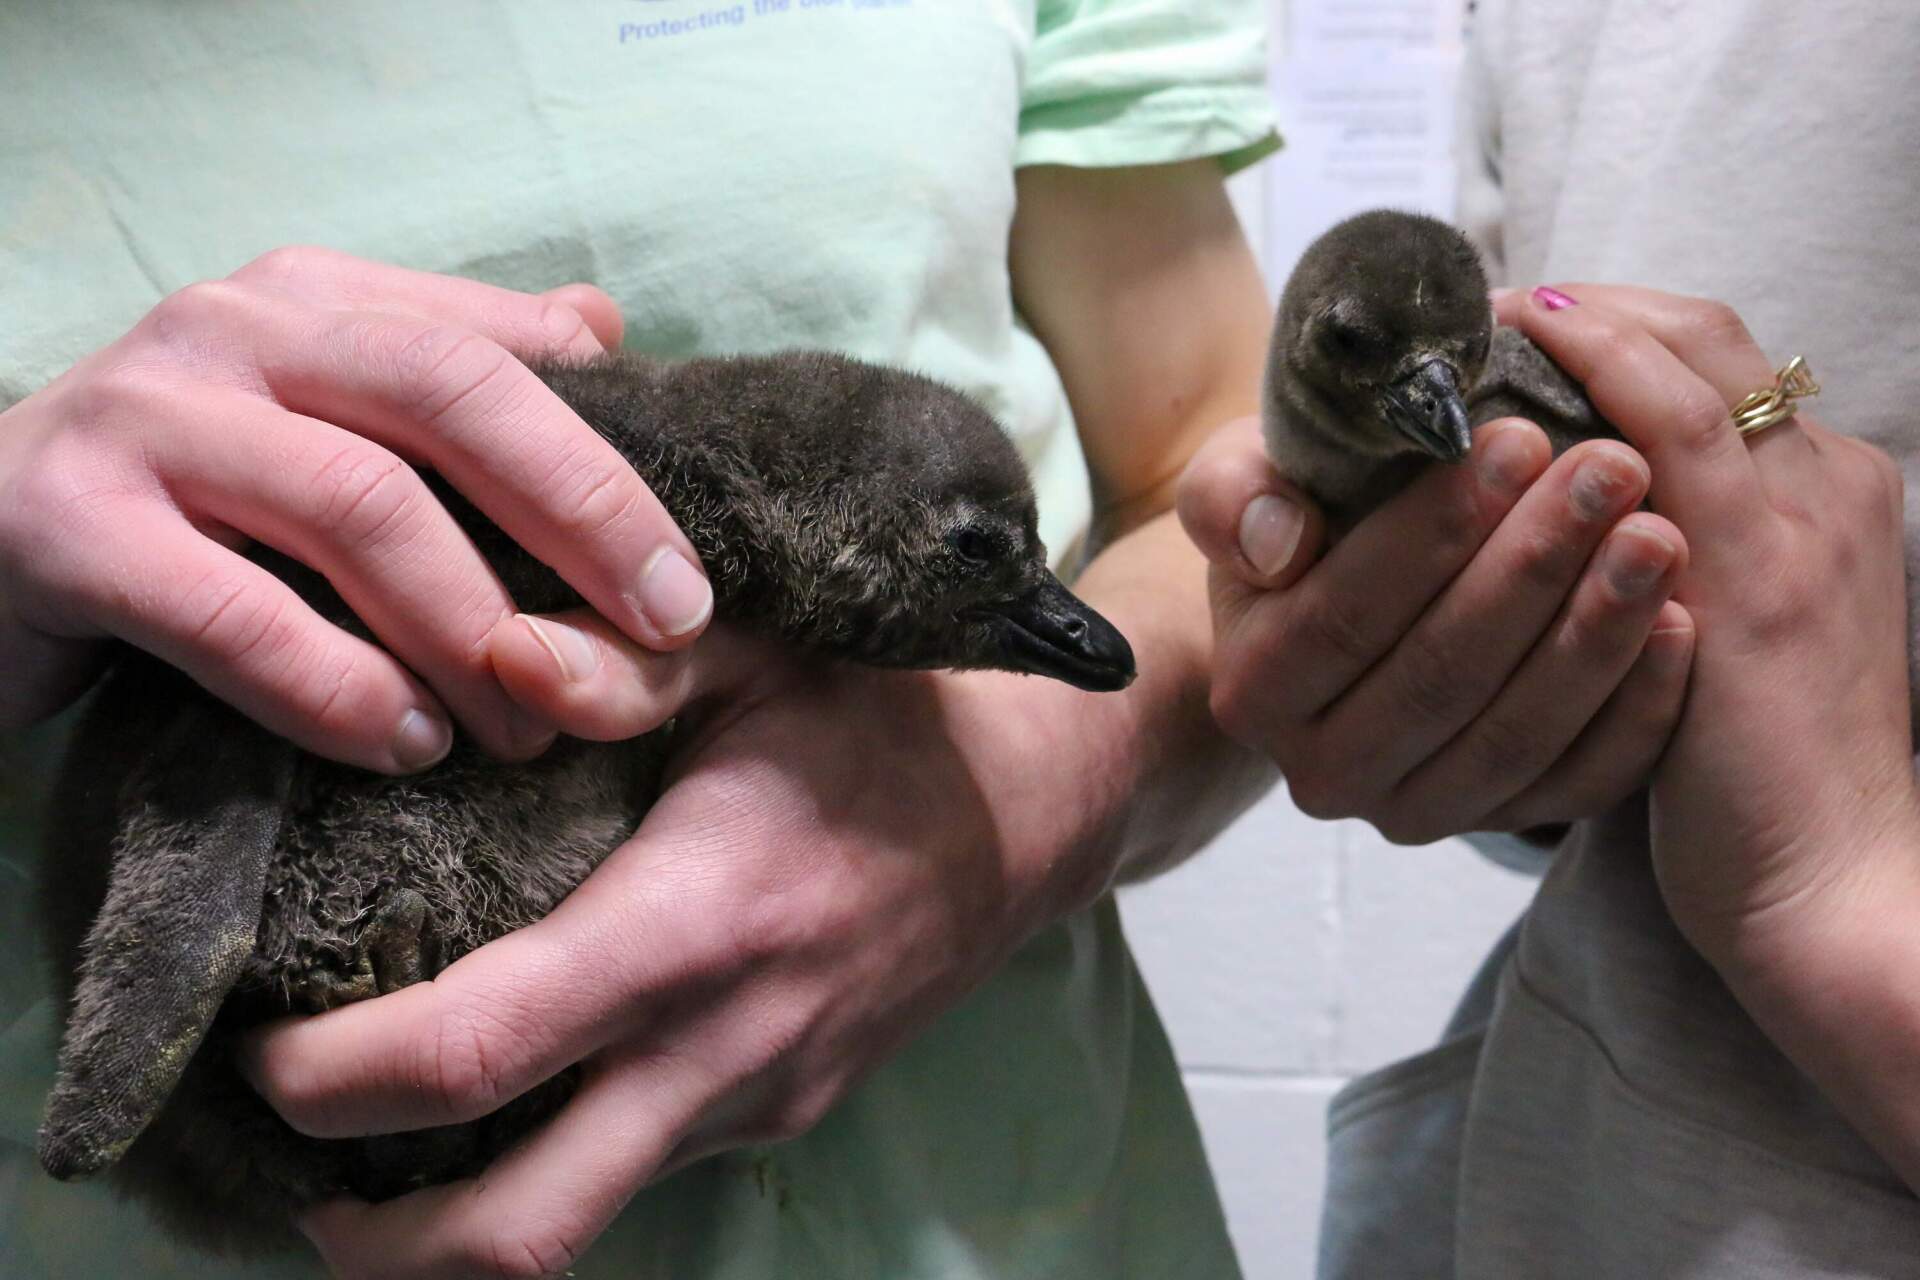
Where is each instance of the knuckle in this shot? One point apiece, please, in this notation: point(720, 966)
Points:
point(364, 493)
point(289, 264)
point(1542, 563)
point(472, 1064)
point(1700, 422)
point(1331, 628)
point(226, 614)
point(340, 699)
point(1427, 680)
point(1502, 750)
point(560, 326)
point(1778, 606)
point(182, 318)
point(1613, 342)
point(439, 367)
point(1714, 323)
point(520, 1253)
point(1318, 794)
point(598, 498)
point(119, 393)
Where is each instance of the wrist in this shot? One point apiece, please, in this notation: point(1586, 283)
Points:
point(1834, 982)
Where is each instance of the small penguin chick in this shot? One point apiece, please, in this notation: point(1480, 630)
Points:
point(1385, 356)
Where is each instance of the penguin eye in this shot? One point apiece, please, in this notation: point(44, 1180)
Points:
point(1345, 341)
point(971, 543)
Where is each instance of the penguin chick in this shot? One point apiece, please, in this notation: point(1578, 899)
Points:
point(204, 876)
point(1385, 357)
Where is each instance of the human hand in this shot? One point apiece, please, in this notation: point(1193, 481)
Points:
point(839, 855)
point(289, 404)
point(1491, 649)
point(1785, 806)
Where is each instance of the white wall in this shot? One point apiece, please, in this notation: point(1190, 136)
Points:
point(1295, 954)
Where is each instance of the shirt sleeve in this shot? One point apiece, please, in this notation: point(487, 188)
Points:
point(1127, 82)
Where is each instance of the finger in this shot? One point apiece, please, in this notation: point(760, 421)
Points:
point(1616, 753)
point(1703, 476)
point(575, 670)
point(1243, 515)
point(509, 1015)
point(555, 323)
point(600, 312)
point(1709, 337)
point(1451, 664)
point(358, 514)
point(1353, 606)
point(1507, 304)
point(251, 641)
point(1560, 686)
point(466, 407)
point(539, 1206)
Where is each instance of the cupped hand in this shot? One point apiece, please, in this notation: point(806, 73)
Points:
point(289, 405)
point(1785, 808)
point(840, 853)
point(1491, 649)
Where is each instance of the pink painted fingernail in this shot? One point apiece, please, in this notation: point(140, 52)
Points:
point(1553, 299)
point(676, 596)
point(421, 740)
point(1269, 531)
point(575, 655)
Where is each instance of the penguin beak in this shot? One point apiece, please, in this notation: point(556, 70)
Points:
point(1049, 631)
point(1426, 407)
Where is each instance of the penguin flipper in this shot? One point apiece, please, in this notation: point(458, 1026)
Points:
point(1522, 381)
point(191, 848)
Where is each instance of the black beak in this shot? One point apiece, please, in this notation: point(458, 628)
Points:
point(1425, 406)
point(1049, 631)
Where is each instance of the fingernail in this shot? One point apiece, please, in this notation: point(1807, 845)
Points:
point(1269, 531)
point(1672, 647)
point(529, 734)
point(676, 596)
point(1553, 299)
point(1633, 570)
point(421, 740)
point(1507, 458)
point(575, 655)
point(1601, 487)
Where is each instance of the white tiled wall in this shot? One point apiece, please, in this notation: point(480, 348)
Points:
point(1288, 958)
point(1292, 956)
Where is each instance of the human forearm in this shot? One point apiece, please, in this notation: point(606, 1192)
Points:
point(1830, 977)
point(1170, 779)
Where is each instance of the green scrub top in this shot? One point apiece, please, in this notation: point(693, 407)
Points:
point(739, 177)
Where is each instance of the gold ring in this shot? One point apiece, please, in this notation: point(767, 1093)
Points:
point(1771, 406)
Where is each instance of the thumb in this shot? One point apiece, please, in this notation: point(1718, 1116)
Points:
point(1245, 517)
point(600, 312)
point(580, 674)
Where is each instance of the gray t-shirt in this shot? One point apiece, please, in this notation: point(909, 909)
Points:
point(1601, 1107)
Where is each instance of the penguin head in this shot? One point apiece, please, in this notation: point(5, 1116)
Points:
point(890, 520)
point(1386, 319)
